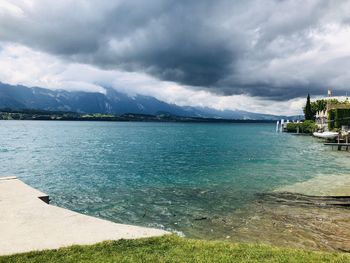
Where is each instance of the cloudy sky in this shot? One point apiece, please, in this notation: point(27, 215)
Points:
point(260, 56)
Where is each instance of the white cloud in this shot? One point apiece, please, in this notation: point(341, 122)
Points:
point(11, 9)
point(22, 65)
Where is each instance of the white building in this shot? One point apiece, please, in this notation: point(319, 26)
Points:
point(322, 119)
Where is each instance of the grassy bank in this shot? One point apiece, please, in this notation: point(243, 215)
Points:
point(174, 249)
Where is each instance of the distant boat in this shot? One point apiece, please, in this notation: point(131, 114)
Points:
point(326, 135)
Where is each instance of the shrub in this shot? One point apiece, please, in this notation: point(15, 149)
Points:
point(338, 118)
point(307, 126)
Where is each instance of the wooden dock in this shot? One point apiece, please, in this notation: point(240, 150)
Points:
point(339, 146)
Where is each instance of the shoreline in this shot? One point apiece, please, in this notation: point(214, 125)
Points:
point(44, 115)
point(292, 217)
point(30, 223)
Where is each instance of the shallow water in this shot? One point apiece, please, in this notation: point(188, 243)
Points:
point(181, 177)
point(324, 185)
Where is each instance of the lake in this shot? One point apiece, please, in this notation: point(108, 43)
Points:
point(198, 180)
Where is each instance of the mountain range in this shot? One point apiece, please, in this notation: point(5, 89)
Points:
point(112, 102)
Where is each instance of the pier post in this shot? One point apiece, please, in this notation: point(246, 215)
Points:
point(282, 125)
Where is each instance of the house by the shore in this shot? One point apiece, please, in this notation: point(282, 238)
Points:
point(336, 116)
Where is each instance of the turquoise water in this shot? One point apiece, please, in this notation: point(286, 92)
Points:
point(167, 175)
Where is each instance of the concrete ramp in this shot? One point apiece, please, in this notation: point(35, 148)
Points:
point(28, 222)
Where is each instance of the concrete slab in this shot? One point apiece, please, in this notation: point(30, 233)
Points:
point(27, 223)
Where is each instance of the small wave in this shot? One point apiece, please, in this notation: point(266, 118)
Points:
point(174, 231)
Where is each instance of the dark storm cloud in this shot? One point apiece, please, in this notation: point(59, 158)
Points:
point(258, 48)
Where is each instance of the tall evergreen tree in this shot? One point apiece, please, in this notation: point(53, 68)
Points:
point(308, 110)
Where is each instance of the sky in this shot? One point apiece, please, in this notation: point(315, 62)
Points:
point(254, 55)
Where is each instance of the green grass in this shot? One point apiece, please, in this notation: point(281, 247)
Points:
point(174, 249)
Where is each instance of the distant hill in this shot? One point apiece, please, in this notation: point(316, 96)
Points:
point(113, 102)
